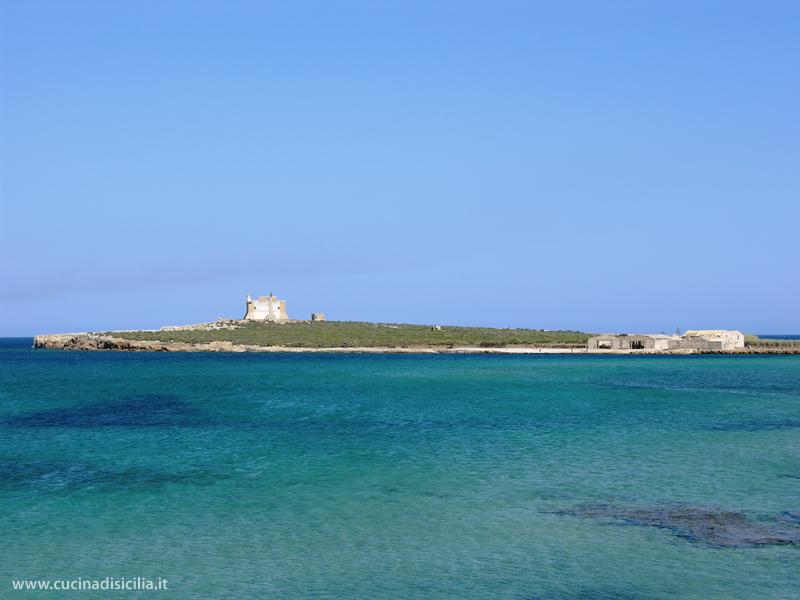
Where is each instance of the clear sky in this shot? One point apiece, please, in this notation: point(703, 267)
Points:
point(602, 166)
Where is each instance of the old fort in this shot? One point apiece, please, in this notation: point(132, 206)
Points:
point(269, 308)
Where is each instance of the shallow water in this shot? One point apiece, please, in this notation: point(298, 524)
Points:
point(380, 476)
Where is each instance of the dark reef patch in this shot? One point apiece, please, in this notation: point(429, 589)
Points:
point(708, 525)
point(71, 478)
point(152, 410)
point(756, 426)
point(592, 594)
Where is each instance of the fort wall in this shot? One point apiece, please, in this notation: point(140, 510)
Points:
point(266, 308)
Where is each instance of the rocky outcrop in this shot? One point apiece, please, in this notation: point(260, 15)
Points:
point(704, 524)
point(92, 341)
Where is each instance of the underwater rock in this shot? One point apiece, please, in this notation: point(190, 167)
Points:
point(709, 525)
point(757, 426)
point(590, 594)
point(69, 478)
point(149, 410)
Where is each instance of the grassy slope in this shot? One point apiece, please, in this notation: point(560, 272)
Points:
point(347, 334)
point(756, 342)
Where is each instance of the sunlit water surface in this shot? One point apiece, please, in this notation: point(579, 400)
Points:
point(367, 476)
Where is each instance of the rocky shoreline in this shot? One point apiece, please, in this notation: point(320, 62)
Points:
point(98, 342)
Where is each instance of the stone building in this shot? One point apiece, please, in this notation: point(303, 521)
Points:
point(712, 339)
point(718, 339)
point(629, 342)
point(266, 308)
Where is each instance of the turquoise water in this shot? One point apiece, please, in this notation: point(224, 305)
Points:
point(367, 476)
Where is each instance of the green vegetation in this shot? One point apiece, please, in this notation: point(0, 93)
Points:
point(348, 334)
point(755, 342)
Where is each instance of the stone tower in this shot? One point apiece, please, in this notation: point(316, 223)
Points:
point(266, 308)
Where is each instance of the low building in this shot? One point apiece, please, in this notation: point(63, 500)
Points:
point(718, 339)
point(266, 308)
point(317, 316)
point(629, 342)
point(712, 339)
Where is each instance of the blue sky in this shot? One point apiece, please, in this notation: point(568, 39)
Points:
point(603, 166)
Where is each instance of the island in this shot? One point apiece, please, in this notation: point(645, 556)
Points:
point(247, 335)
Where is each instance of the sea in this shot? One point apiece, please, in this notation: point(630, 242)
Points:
point(283, 476)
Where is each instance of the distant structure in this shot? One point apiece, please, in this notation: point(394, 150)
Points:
point(317, 316)
point(713, 339)
point(717, 339)
point(266, 308)
point(630, 342)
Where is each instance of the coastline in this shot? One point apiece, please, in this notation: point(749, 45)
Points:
point(106, 343)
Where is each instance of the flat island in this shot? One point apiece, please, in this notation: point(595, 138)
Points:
point(319, 336)
point(349, 336)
